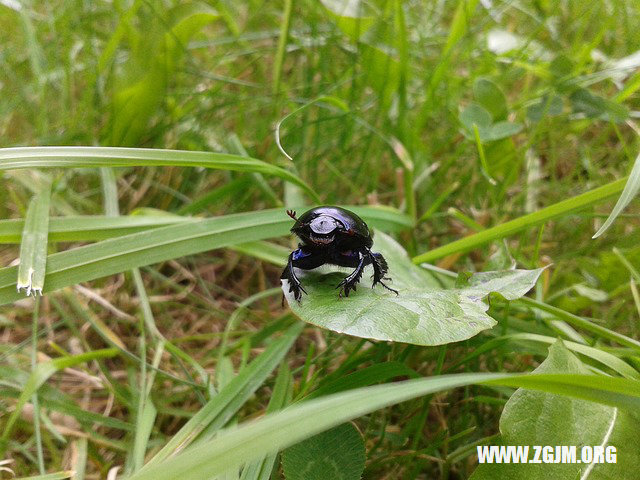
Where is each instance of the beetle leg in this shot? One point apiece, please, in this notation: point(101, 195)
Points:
point(304, 259)
point(288, 274)
point(349, 283)
point(380, 269)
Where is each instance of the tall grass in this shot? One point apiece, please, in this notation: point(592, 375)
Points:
point(152, 124)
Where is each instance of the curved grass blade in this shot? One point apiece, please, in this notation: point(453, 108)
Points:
point(234, 447)
point(631, 189)
point(97, 227)
point(33, 248)
point(92, 157)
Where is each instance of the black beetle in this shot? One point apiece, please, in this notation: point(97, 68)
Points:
point(335, 236)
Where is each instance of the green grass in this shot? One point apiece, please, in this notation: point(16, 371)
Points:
point(154, 126)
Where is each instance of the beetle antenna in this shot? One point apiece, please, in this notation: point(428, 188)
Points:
point(292, 214)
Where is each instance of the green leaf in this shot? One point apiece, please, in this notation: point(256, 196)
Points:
point(501, 130)
point(595, 106)
point(422, 313)
point(561, 66)
point(475, 114)
point(548, 105)
point(91, 157)
point(135, 250)
point(33, 247)
point(97, 227)
point(236, 446)
point(541, 418)
point(630, 191)
point(490, 96)
point(338, 454)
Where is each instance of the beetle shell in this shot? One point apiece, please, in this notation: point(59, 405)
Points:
point(346, 221)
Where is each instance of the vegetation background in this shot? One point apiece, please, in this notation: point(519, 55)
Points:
point(461, 114)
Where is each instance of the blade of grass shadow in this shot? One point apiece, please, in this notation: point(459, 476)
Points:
point(234, 447)
point(229, 400)
point(90, 157)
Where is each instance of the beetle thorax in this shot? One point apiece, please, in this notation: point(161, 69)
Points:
point(324, 225)
point(322, 229)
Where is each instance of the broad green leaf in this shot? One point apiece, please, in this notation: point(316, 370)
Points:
point(236, 446)
point(33, 247)
point(630, 191)
point(490, 96)
point(541, 418)
point(338, 454)
point(422, 313)
point(91, 157)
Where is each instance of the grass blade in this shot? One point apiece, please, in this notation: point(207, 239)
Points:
point(281, 396)
point(219, 409)
point(50, 476)
point(90, 157)
point(120, 254)
point(234, 447)
point(41, 374)
point(97, 227)
point(630, 191)
point(521, 223)
point(33, 248)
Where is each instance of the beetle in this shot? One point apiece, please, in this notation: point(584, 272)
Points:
point(335, 236)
